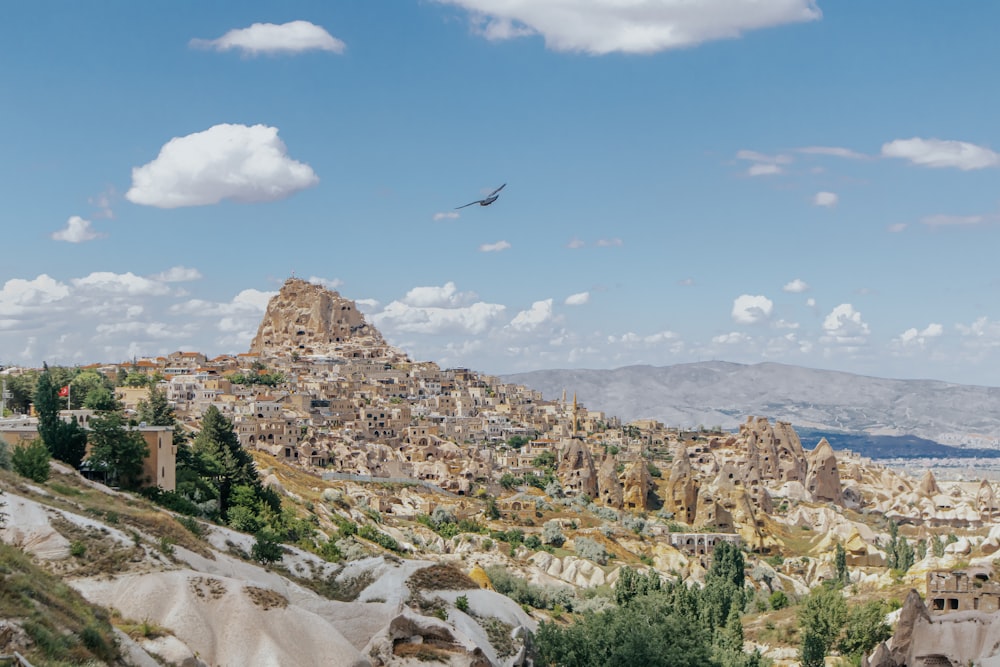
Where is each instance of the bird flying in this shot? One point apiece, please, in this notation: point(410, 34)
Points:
point(486, 201)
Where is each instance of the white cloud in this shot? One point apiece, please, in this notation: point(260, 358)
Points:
point(896, 227)
point(811, 302)
point(271, 38)
point(18, 294)
point(447, 215)
point(918, 338)
point(527, 320)
point(473, 319)
point(764, 164)
point(249, 302)
point(329, 283)
point(833, 151)
point(119, 283)
point(732, 338)
point(796, 286)
point(605, 26)
point(445, 296)
point(944, 220)
point(178, 274)
point(499, 246)
point(825, 199)
point(939, 153)
point(238, 162)
point(575, 243)
point(749, 309)
point(609, 243)
point(77, 230)
point(843, 325)
point(577, 299)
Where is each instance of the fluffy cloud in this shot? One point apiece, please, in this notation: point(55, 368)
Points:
point(128, 284)
point(577, 299)
point(575, 243)
point(796, 286)
point(271, 38)
point(238, 162)
point(731, 338)
point(749, 309)
point(606, 26)
point(499, 246)
point(77, 230)
point(609, 243)
point(939, 153)
point(447, 215)
point(473, 319)
point(896, 227)
point(918, 338)
point(445, 296)
point(178, 274)
point(825, 199)
point(844, 326)
point(527, 320)
point(18, 295)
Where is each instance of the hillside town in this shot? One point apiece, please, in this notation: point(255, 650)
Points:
point(320, 392)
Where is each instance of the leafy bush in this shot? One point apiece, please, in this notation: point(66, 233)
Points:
point(32, 461)
point(552, 534)
point(462, 603)
point(778, 600)
point(591, 550)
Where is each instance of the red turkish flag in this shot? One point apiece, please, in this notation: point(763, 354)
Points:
point(64, 391)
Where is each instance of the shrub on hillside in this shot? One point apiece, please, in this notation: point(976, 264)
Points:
point(591, 550)
point(32, 461)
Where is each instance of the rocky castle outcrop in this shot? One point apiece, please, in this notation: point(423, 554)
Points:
point(305, 319)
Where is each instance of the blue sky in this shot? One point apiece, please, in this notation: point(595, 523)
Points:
point(813, 183)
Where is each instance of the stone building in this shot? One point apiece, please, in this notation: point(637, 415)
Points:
point(962, 590)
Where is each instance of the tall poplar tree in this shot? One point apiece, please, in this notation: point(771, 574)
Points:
point(67, 441)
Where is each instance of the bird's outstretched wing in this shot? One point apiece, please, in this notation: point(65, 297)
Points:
point(498, 189)
point(478, 201)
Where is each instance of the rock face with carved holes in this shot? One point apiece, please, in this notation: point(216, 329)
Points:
point(823, 478)
point(307, 319)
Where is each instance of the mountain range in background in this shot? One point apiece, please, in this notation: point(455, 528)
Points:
point(877, 417)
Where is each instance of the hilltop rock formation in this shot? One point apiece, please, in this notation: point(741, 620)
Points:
point(638, 483)
point(308, 319)
point(823, 478)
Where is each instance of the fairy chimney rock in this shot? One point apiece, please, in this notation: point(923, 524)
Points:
point(823, 478)
point(928, 485)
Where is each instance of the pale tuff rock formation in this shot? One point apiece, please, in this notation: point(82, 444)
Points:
point(576, 470)
point(680, 493)
point(947, 640)
point(928, 485)
point(823, 478)
point(986, 501)
point(774, 451)
point(638, 484)
point(309, 319)
point(607, 482)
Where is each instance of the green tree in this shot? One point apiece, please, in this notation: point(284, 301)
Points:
point(90, 389)
point(649, 632)
point(218, 456)
point(812, 652)
point(266, 548)
point(32, 461)
point(821, 618)
point(66, 441)
point(865, 629)
point(117, 449)
point(157, 411)
point(840, 562)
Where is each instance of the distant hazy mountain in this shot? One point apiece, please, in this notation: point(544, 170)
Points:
point(719, 393)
